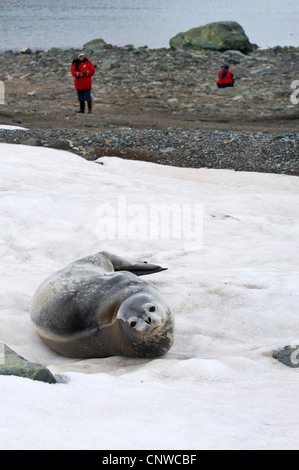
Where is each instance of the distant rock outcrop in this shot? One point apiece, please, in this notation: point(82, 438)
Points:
point(95, 45)
point(219, 36)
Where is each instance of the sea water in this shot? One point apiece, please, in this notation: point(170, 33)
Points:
point(42, 24)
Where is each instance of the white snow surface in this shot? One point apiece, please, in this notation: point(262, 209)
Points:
point(12, 128)
point(235, 301)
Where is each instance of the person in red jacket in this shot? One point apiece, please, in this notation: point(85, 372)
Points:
point(83, 71)
point(226, 77)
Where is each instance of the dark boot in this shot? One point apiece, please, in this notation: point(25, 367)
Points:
point(89, 107)
point(82, 107)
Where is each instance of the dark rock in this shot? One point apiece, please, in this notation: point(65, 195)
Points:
point(140, 50)
point(289, 356)
point(26, 50)
point(59, 144)
point(13, 364)
point(33, 142)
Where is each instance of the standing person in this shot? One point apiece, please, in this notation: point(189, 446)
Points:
point(226, 77)
point(83, 70)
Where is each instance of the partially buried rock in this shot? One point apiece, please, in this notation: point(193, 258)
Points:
point(13, 364)
point(59, 144)
point(220, 36)
point(33, 142)
point(289, 356)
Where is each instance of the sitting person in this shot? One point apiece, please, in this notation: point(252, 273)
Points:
point(226, 77)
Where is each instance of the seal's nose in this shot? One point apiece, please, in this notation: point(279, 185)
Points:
point(150, 317)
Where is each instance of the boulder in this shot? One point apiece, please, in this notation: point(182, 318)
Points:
point(220, 36)
point(95, 45)
point(108, 64)
point(13, 364)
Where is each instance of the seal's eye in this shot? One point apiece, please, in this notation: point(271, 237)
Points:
point(152, 309)
point(133, 324)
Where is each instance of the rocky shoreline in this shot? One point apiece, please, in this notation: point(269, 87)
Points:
point(161, 106)
point(240, 151)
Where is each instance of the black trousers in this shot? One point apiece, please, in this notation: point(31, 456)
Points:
point(225, 85)
point(84, 95)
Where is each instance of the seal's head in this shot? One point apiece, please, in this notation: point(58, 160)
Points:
point(147, 323)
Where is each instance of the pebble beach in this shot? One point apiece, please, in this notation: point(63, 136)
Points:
point(240, 151)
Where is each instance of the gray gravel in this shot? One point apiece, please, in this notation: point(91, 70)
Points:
point(240, 151)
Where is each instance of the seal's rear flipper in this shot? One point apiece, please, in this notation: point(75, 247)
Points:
point(136, 267)
point(142, 269)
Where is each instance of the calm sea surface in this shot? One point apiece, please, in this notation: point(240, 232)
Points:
point(42, 24)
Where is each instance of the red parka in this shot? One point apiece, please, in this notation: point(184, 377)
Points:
point(87, 68)
point(227, 79)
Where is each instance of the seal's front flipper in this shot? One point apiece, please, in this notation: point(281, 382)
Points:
point(142, 269)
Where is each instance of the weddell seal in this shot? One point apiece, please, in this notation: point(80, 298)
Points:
point(99, 307)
